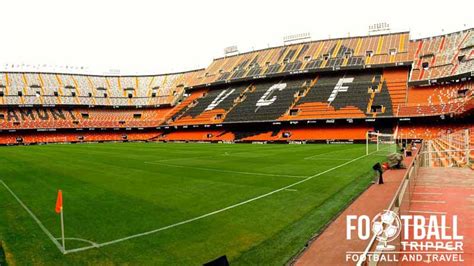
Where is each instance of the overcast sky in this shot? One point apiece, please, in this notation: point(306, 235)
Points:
point(148, 37)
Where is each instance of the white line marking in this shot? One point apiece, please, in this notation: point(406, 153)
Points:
point(217, 211)
point(291, 189)
point(326, 158)
point(34, 218)
point(224, 171)
point(427, 193)
point(429, 201)
point(81, 249)
point(78, 239)
point(428, 212)
point(213, 156)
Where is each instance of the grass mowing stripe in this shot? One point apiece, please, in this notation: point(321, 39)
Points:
point(330, 151)
point(217, 211)
point(34, 218)
point(298, 234)
point(327, 159)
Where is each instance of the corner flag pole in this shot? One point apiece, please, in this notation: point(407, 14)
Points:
point(62, 230)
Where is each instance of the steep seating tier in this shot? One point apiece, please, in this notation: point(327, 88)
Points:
point(73, 89)
point(351, 52)
point(442, 56)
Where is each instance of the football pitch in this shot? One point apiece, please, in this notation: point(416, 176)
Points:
point(174, 203)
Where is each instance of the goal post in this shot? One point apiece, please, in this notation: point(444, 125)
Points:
point(380, 142)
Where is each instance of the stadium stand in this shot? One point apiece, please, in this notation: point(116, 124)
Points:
point(297, 133)
point(188, 102)
point(426, 131)
point(332, 54)
point(442, 56)
point(449, 148)
point(437, 99)
point(335, 89)
point(327, 133)
point(88, 90)
point(197, 135)
point(73, 137)
point(34, 118)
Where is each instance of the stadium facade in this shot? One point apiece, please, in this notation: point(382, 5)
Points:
point(325, 90)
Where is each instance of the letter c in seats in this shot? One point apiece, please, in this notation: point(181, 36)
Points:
point(264, 100)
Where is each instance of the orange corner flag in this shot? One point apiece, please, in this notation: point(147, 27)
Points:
point(59, 202)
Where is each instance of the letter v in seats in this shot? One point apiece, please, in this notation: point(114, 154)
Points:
point(222, 96)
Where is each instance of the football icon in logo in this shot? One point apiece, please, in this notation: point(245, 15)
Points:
point(386, 226)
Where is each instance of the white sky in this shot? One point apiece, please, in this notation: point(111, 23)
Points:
point(150, 37)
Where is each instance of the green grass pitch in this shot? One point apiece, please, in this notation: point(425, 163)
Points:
point(257, 204)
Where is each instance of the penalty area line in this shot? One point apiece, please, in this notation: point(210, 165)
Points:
point(216, 211)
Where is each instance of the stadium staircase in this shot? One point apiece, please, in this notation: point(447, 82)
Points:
point(182, 107)
point(155, 138)
point(373, 91)
point(298, 96)
point(396, 81)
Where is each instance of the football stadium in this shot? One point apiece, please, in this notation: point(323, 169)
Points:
point(266, 157)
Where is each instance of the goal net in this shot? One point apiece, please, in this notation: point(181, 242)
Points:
point(380, 143)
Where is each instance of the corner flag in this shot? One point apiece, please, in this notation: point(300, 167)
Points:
point(59, 202)
point(59, 209)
